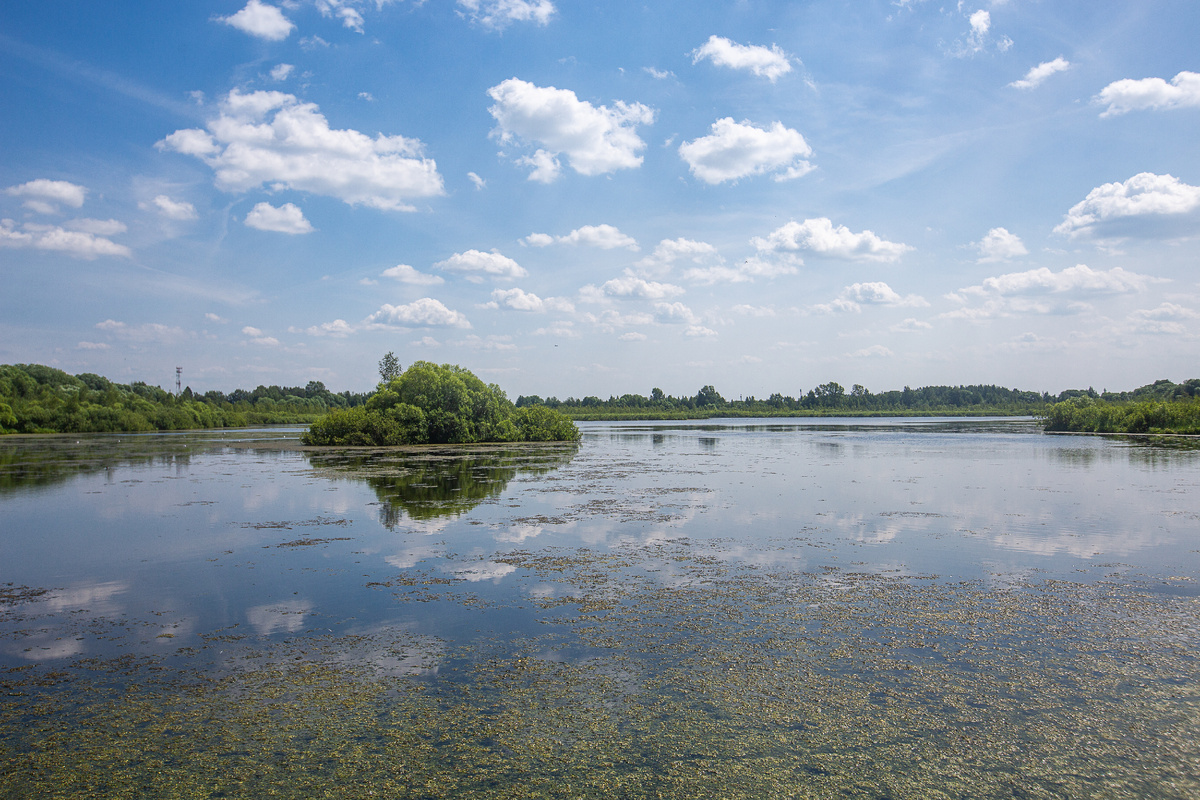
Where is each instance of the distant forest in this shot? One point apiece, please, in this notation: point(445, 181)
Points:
point(831, 399)
point(41, 399)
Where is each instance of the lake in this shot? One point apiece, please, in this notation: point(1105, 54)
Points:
point(866, 608)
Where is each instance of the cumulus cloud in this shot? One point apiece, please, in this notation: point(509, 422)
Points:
point(519, 300)
point(765, 62)
point(288, 218)
point(821, 237)
point(669, 251)
point(1041, 291)
point(45, 196)
point(406, 274)
point(173, 209)
point(1167, 318)
point(1078, 279)
point(478, 182)
point(1131, 207)
point(1037, 75)
point(630, 286)
point(679, 314)
point(474, 264)
point(272, 139)
point(258, 337)
point(261, 20)
point(606, 237)
point(855, 296)
point(999, 245)
point(737, 149)
point(910, 325)
point(423, 313)
point(338, 329)
point(54, 238)
point(499, 14)
point(594, 139)
point(1150, 94)
point(281, 72)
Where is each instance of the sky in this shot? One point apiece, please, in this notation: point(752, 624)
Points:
point(575, 199)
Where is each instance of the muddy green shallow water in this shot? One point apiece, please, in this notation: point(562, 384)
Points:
point(859, 609)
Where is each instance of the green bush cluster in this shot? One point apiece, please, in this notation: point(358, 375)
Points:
point(40, 399)
point(1088, 414)
point(438, 404)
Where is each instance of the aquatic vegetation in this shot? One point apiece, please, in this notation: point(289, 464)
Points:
point(1087, 414)
point(781, 684)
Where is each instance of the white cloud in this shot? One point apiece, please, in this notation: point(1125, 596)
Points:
point(670, 251)
point(99, 227)
point(1037, 75)
point(211, 317)
point(910, 325)
point(423, 313)
point(493, 343)
point(874, 351)
point(538, 240)
point(737, 149)
point(855, 296)
point(498, 14)
point(765, 62)
point(44, 196)
point(261, 20)
point(821, 237)
point(281, 72)
point(338, 329)
point(754, 311)
point(93, 346)
point(288, 218)
point(1080, 279)
point(632, 336)
point(1168, 318)
point(629, 285)
point(999, 245)
point(1040, 291)
point(519, 300)
point(473, 263)
point(1150, 94)
point(1110, 209)
point(479, 182)
point(258, 337)
point(272, 139)
point(594, 140)
point(53, 238)
point(658, 74)
point(606, 237)
point(173, 209)
point(406, 274)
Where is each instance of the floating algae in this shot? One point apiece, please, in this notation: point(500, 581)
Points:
point(747, 685)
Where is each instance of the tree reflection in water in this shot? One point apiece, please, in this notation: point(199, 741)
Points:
point(433, 482)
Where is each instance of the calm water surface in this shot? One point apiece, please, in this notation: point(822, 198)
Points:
point(840, 608)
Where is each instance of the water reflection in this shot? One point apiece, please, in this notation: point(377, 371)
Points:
point(437, 483)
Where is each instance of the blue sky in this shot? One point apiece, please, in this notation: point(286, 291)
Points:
point(579, 198)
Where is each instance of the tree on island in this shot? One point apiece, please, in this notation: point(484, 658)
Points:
point(432, 404)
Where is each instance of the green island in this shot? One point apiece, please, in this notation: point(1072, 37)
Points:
point(437, 404)
point(456, 406)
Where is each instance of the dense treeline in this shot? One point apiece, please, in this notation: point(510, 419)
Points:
point(826, 399)
point(1159, 407)
point(437, 404)
point(40, 399)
